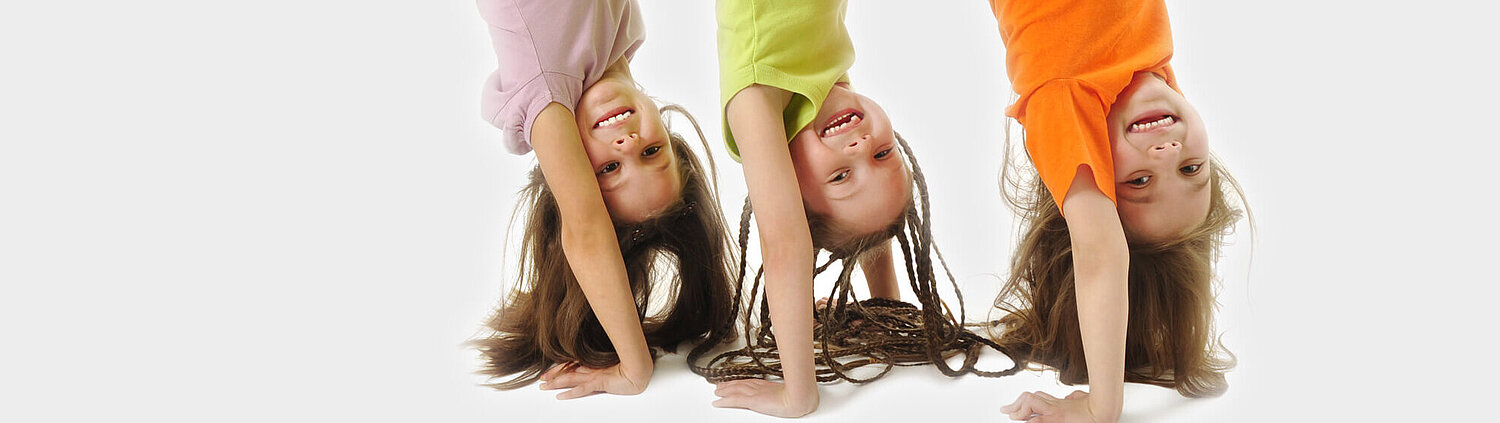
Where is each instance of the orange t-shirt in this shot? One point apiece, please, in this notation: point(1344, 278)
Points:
point(1069, 60)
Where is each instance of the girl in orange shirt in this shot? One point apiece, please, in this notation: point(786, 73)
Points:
point(1125, 214)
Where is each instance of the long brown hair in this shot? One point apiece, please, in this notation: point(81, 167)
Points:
point(1169, 339)
point(888, 332)
point(547, 320)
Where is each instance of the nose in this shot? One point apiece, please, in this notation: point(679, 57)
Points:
point(856, 142)
point(1166, 148)
point(627, 140)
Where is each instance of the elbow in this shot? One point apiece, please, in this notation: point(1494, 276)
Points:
point(1105, 263)
point(780, 251)
point(582, 238)
point(785, 252)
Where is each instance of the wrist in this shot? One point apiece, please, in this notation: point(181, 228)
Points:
point(638, 363)
point(800, 400)
point(1105, 408)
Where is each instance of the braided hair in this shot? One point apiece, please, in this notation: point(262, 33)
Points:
point(876, 331)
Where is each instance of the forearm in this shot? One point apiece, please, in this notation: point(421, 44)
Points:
point(594, 256)
point(789, 292)
point(1101, 266)
point(786, 243)
point(588, 236)
point(879, 267)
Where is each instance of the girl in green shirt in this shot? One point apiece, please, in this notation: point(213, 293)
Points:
point(825, 170)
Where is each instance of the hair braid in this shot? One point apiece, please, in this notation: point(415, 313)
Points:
point(877, 331)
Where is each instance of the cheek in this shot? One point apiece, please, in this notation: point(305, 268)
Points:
point(596, 152)
point(1198, 137)
point(1135, 221)
point(1123, 160)
point(806, 159)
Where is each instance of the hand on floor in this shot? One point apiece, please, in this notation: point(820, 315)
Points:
point(1041, 407)
point(583, 381)
point(765, 397)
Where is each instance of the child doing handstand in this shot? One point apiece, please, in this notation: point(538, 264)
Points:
point(613, 193)
point(1112, 280)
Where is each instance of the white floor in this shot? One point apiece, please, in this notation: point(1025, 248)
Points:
point(289, 211)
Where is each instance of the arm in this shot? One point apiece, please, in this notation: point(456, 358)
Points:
point(1101, 260)
point(754, 116)
point(879, 267)
point(588, 240)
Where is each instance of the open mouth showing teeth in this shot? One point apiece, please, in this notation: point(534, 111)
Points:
point(613, 120)
point(1148, 124)
point(841, 123)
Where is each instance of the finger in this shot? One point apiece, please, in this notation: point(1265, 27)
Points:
point(1014, 410)
point(566, 380)
point(585, 369)
point(1008, 408)
point(736, 401)
point(554, 370)
point(1078, 395)
point(1048, 396)
point(1030, 404)
point(738, 387)
point(579, 391)
point(742, 390)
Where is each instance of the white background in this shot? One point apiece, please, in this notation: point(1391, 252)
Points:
point(290, 210)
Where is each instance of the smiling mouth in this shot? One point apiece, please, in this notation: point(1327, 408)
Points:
point(614, 119)
point(1154, 122)
point(841, 123)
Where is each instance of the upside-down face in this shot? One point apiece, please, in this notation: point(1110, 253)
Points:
point(849, 165)
point(629, 148)
point(1161, 160)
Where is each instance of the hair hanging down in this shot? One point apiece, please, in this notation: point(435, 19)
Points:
point(1169, 339)
point(852, 334)
point(547, 320)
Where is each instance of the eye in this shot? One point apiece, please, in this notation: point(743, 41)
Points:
point(1139, 182)
point(840, 177)
point(609, 168)
point(883, 154)
point(1191, 169)
point(651, 151)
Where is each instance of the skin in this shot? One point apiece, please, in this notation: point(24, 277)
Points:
point(1161, 173)
point(1161, 183)
point(854, 177)
point(633, 159)
point(624, 172)
point(754, 116)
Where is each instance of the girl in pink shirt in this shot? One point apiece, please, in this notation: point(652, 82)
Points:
point(612, 193)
